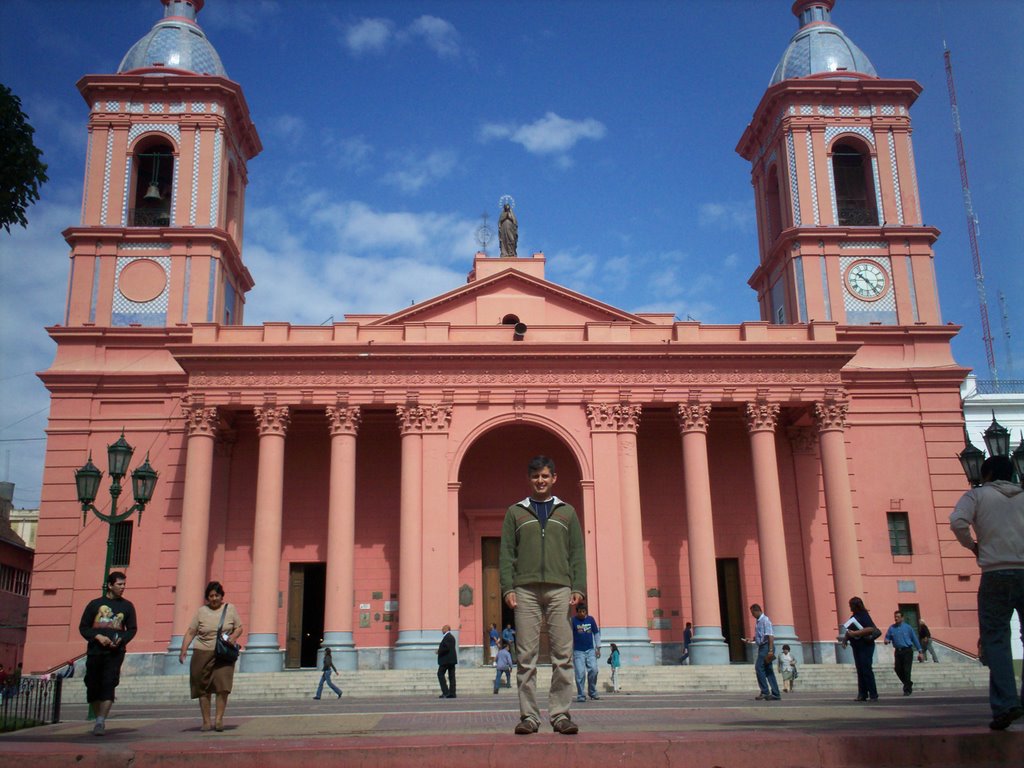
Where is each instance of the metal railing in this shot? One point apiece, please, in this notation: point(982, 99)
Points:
point(30, 702)
point(149, 217)
point(999, 386)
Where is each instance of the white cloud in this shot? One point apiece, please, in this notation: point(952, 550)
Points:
point(246, 16)
point(369, 36)
point(412, 173)
point(551, 134)
point(439, 35)
point(377, 35)
point(290, 129)
point(726, 215)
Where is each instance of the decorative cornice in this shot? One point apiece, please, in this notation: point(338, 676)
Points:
point(416, 377)
point(418, 419)
point(762, 416)
point(271, 420)
point(343, 420)
point(693, 417)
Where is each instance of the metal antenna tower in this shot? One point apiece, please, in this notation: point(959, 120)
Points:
point(972, 220)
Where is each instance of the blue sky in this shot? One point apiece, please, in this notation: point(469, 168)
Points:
point(390, 127)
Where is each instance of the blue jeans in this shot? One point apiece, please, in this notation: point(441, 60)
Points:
point(326, 678)
point(497, 678)
point(585, 663)
point(765, 673)
point(999, 595)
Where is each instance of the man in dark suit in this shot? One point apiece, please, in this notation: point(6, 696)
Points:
point(447, 658)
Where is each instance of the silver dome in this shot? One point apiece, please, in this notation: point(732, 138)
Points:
point(175, 43)
point(819, 47)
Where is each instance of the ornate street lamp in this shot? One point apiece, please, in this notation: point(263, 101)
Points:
point(1018, 458)
point(971, 459)
point(997, 438)
point(87, 482)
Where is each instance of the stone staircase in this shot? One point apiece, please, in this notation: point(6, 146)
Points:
point(732, 678)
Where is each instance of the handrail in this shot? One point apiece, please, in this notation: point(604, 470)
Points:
point(72, 660)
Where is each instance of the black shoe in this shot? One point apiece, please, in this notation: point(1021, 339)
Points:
point(773, 698)
point(1002, 722)
point(451, 695)
point(443, 696)
point(862, 698)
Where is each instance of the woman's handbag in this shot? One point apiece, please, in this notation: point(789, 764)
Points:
point(875, 633)
point(225, 650)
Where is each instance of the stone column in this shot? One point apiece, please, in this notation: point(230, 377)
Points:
point(708, 646)
point(263, 650)
point(762, 418)
point(420, 426)
point(842, 532)
point(343, 422)
point(194, 536)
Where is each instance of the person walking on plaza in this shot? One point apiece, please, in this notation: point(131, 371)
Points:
point(615, 661)
point(543, 567)
point(904, 643)
point(447, 660)
point(108, 624)
point(927, 646)
point(208, 674)
point(508, 634)
point(493, 636)
point(996, 513)
point(502, 666)
point(327, 667)
point(787, 668)
point(687, 639)
point(586, 650)
point(860, 634)
point(764, 639)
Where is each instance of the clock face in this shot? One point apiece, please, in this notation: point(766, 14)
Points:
point(866, 280)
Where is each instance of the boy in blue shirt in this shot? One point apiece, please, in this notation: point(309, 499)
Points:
point(586, 649)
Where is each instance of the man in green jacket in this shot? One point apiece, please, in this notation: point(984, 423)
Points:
point(543, 575)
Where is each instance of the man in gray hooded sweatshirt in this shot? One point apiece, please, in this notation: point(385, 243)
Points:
point(996, 512)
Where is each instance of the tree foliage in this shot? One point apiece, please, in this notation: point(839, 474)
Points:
point(21, 170)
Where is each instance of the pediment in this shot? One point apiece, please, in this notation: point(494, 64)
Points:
point(488, 301)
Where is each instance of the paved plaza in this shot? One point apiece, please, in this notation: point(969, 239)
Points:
point(939, 729)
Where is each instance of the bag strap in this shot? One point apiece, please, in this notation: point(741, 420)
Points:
point(222, 615)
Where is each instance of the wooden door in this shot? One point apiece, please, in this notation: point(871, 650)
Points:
point(731, 606)
point(489, 550)
point(293, 644)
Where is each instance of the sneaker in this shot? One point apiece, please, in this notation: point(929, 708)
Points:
point(999, 723)
point(581, 699)
point(339, 694)
point(595, 697)
point(526, 726)
point(100, 728)
point(773, 698)
point(760, 697)
point(565, 726)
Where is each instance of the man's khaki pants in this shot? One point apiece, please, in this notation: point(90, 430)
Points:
point(537, 605)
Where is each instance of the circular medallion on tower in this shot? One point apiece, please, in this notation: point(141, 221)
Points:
point(867, 280)
point(142, 281)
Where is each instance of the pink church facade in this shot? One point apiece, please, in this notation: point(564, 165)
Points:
point(347, 483)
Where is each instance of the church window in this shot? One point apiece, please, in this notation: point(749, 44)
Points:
point(773, 204)
point(854, 185)
point(153, 165)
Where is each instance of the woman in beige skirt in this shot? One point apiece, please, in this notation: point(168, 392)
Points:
point(207, 675)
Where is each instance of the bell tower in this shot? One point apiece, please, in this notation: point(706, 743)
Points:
point(840, 230)
point(170, 135)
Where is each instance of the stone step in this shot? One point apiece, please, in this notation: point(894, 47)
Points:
point(735, 678)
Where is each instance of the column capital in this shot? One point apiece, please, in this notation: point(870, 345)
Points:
point(762, 416)
point(272, 420)
point(693, 416)
point(343, 419)
point(418, 419)
point(830, 415)
point(802, 439)
point(199, 420)
point(613, 417)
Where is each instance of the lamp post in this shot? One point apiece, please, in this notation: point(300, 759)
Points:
point(997, 441)
point(87, 482)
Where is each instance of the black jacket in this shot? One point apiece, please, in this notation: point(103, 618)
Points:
point(446, 651)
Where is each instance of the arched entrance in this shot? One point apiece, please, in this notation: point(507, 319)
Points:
point(492, 476)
